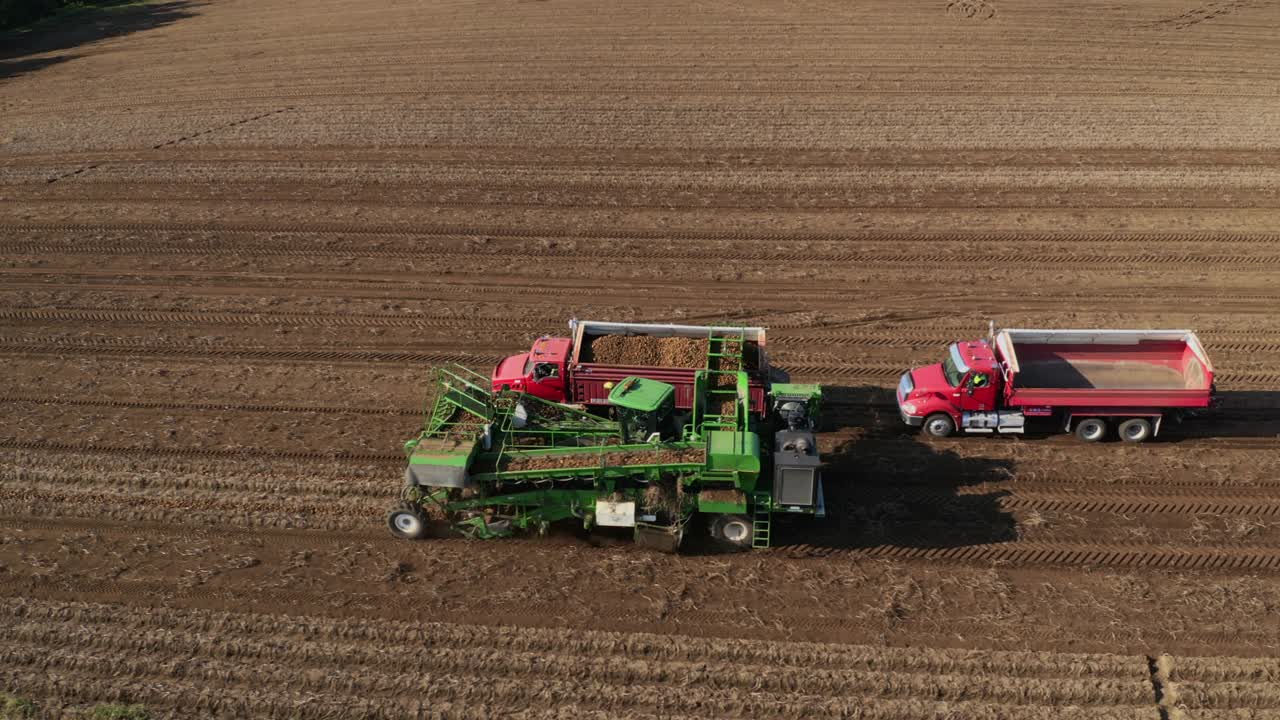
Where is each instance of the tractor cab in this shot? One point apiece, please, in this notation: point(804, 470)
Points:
point(797, 405)
point(644, 408)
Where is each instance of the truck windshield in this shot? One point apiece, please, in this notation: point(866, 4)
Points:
point(954, 368)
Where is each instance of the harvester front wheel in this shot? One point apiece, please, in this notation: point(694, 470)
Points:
point(407, 522)
point(731, 532)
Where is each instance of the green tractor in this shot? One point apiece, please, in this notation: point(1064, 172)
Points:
point(490, 465)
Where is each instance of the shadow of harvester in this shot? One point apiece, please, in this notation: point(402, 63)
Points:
point(31, 50)
point(898, 491)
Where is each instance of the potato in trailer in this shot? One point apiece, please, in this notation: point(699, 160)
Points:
point(1083, 381)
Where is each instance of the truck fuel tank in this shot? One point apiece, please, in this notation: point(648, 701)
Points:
point(1007, 421)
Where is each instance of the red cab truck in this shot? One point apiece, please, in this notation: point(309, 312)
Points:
point(1089, 382)
point(562, 369)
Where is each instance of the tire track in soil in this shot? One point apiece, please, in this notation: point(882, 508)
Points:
point(621, 234)
point(265, 453)
point(741, 158)
point(199, 407)
point(227, 126)
point(865, 258)
point(1018, 553)
point(1080, 555)
point(790, 89)
point(820, 202)
point(374, 286)
point(1246, 504)
point(914, 340)
point(126, 346)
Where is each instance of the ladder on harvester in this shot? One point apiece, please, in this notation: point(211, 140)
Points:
point(761, 519)
point(724, 410)
point(462, 396)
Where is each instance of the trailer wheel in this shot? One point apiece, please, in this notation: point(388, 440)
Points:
point(1135, 430)
point(407, 522)
point(1091, 429)
point(732, 532)
point(939, 425)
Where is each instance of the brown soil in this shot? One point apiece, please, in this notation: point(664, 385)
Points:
point(589, 459)
point(234, 237)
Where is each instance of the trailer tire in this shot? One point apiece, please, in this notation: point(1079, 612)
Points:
point(939, 425)
point(731, 532)
point(1091, 429)
point(1135, 430)
point(406, 522)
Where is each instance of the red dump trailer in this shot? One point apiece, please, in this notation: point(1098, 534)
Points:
point(1082, 381)
point(565, 370)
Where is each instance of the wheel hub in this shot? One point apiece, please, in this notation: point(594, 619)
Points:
point(736, 531)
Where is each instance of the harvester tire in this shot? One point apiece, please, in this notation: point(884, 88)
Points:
point(731, 532)
point(939, 425)
point(407, 522)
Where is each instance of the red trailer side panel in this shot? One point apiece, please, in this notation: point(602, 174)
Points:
point(1105, 369)
point(589, 379)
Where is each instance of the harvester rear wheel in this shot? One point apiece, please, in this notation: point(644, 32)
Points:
point(731, 532)
point(407, 522)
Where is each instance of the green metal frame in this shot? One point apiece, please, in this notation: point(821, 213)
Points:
point(478, 433)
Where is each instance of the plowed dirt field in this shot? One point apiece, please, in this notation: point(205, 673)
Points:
point(236, 234)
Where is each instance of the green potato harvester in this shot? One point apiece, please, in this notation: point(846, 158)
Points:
point(491, 464)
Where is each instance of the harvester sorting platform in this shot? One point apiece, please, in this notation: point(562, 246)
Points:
point(492, 463)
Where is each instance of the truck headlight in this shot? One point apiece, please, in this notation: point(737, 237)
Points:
point(909, 408)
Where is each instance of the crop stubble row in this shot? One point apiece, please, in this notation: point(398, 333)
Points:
point(169, 653)
point(618, 672)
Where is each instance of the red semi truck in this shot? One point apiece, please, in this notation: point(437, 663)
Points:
point(562, 370)
point(1081, 381)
